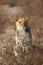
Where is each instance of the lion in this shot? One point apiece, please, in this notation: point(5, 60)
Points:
point(23, 39)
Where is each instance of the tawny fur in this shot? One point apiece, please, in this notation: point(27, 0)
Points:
point(23, 39)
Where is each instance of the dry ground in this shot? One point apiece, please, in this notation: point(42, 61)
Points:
point(7, 30)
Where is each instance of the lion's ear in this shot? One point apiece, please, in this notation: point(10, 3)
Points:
point(16, 19)
point(26, 18)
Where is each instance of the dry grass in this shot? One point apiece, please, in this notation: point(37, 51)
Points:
point(7, 31)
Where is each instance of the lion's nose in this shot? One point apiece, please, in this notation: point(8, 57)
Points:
point(26, 26)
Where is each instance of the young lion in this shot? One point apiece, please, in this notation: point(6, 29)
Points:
point(23, 39)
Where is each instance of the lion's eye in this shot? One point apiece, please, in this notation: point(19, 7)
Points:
point(19, 21)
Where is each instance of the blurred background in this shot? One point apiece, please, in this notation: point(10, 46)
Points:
point(34, 7)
